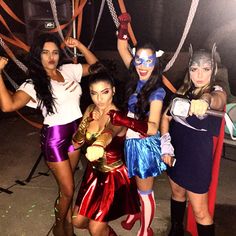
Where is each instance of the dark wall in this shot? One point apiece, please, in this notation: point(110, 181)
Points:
point(17, 7)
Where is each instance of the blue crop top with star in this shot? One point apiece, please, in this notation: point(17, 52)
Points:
point(158, 94)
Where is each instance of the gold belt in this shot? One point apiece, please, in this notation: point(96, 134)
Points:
point(102, 166)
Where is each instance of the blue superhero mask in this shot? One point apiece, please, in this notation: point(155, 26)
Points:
point(143, 59)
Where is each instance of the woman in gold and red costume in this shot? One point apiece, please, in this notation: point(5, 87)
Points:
point(106, 192)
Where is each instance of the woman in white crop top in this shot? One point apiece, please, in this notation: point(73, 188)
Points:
point(55, 89)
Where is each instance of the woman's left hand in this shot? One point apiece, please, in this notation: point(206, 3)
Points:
point(198, 107)
point(94, 153)
point(3, 62)
point(168, 160)
point(72, 42)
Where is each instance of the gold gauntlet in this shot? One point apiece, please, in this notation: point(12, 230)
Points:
point(103, 139)
point(79, 136)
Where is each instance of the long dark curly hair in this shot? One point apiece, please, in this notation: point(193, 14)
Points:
point(37, 73)
point(154, 82)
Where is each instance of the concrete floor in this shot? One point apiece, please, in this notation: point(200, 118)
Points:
point(28, 210)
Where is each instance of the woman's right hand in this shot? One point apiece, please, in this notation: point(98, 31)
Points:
point(3, 62)
point(94, 152)
point(198, 107)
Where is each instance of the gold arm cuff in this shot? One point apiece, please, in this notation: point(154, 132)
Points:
point(103, 139)
point(101, 165)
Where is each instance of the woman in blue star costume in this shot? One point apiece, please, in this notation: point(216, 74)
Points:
point(145, 100)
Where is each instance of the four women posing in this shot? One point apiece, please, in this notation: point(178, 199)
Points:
point(108, 189)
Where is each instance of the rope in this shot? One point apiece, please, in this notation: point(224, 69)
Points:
point(114, 17)
point(9, 52)
point(98, 21)
point(13, 83)
point(58, 26)
point(55, 17)
point(191, 15)
point(113, 13)
point(116, 21)
point(130, 30)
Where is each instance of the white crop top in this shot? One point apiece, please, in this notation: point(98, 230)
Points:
point(67, 96)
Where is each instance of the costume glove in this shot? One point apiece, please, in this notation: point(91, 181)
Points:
point(119, 119)
point(79, 136)
point(124, 20)
point(166, 146)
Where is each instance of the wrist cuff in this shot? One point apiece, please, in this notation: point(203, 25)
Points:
point(123, 34)
point(166, 137)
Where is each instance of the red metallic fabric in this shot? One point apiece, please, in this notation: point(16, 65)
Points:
point(107, 196)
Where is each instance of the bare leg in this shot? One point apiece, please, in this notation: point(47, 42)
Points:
point(144, 184)
point(178, 193)
point(79, 221)
point(63, 174)
point(73, 158)
point(99, 228)
point(199, 203)
point(95, 228)
point(201, 212)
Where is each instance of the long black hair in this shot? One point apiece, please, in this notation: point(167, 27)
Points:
point(154, 82)
point(37, 73)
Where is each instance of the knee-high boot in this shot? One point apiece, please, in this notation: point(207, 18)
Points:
point(206, 230)
point(177, 210)
point(148, 206)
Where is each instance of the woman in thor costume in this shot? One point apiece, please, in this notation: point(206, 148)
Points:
point(192, 140)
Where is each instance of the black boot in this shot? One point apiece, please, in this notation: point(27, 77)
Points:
point(177, 210)
point(206, 230)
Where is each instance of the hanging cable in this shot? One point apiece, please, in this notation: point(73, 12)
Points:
point(55, 17)
point(12, 56)
point(189, 21)
point(98, 21)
